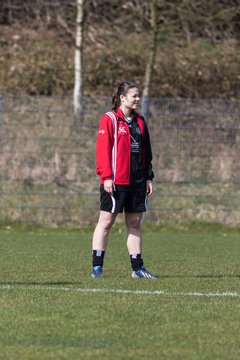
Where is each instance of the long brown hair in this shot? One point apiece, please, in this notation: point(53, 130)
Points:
point(122, 90)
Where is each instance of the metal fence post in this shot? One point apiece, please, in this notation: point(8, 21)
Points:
point(1, 121)
point(145, 107)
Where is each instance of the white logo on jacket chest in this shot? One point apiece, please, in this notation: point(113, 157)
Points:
point(122, 130)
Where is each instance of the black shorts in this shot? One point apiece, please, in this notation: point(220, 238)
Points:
point(131, 199)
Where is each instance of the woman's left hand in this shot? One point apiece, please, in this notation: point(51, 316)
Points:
point(149, 187)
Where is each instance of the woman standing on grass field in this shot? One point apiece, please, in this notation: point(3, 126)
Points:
point(123, 154)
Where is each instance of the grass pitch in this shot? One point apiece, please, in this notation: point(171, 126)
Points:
point(50, 308)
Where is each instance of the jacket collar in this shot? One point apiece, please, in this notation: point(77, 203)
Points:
point(120, 115)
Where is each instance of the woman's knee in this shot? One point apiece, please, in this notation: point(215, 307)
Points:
point(106, 220)
point(133, 220)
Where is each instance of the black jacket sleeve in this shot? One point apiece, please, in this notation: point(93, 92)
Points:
point(148, 153)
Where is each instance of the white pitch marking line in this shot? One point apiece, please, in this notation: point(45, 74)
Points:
point(120, 291)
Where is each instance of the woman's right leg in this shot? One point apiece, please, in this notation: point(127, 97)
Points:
point(100, 235)
point(100, 241)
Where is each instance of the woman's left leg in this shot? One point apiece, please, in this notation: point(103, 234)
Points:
point(134, 237)
point(134, 245)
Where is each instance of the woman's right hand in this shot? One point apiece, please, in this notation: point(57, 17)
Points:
point(109, 186)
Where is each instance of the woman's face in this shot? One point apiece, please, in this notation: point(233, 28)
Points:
point(131, 99)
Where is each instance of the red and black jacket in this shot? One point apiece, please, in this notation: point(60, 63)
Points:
point(113, 149)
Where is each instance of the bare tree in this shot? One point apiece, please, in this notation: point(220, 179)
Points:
point(77, 95)
point(151, 59)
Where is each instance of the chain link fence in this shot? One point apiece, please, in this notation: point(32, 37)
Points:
point(47, 160)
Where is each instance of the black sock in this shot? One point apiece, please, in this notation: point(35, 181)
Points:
point(136, 261)
point(97, 257)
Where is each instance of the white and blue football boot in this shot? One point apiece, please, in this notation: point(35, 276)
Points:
point(96, 272)
point(143, 273)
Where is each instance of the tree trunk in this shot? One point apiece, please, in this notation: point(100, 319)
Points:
point(151, 60)
point(77, 95)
